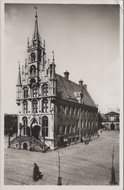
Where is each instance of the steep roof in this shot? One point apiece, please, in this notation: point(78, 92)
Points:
point(66, 89)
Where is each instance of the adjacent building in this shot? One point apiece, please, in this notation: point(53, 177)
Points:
point(111, 120)
point(53, 110)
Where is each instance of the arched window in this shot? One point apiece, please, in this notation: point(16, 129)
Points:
point(33, 71)
point(61, 130)
point(64, 129)
point(75, 111)
point(73, 129)
point(45, 126)
point(32, 83)
point(67, 110)
point(70, 129)
point(78, 112)
point(32, 56)
point(45, 89)
point(82, 123)
point(34, 106)
point(60, 109)
point(25, 121)
point(72, 111)
point(25, 90)
point(45, 105)
point(86, 123)
point(35, 91)
point(25, 106)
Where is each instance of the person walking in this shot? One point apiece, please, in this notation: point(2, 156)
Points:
point(36, 173)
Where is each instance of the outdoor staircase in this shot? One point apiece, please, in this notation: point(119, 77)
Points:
point(33, 143)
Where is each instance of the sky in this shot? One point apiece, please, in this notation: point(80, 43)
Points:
point(85, 39)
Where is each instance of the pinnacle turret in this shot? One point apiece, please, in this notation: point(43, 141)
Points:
point(19, 77)
point(53, 57)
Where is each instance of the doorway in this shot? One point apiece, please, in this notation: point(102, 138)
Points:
point(25, 146)
point(36, 131)
point(112, 126)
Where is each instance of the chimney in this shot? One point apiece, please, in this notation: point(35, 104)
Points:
point(80, 82)
point(85, 86)
point(66, 75)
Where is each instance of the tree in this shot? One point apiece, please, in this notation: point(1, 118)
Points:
point(10, 121)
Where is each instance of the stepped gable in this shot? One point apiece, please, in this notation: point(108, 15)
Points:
point(66, 89)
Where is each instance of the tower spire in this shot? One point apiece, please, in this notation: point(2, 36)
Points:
point(36, 32)
point(19, 76)
point(52, 67)
point(53, 56)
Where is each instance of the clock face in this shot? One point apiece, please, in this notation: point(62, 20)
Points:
point(32, 56)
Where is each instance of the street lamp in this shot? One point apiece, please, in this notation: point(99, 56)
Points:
point(59, 178)
point(113, 180)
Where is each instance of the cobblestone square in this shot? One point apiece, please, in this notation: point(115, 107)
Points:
point(80, 164)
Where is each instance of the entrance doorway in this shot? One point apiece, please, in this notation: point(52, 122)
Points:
point(36, 131)
point(112, 126)
point(25, 146)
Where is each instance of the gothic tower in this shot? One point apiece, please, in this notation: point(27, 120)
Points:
point(36, 89)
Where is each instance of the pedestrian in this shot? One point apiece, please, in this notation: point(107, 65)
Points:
point(36, 173)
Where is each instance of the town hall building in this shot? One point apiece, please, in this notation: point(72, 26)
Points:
point(53, 110)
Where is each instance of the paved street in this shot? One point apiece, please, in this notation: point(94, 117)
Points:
point(80, 164)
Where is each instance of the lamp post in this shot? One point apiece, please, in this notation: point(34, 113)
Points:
point(59, 178)
point(113, 180)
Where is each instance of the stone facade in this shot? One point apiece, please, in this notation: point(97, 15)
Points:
point(52, 108)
